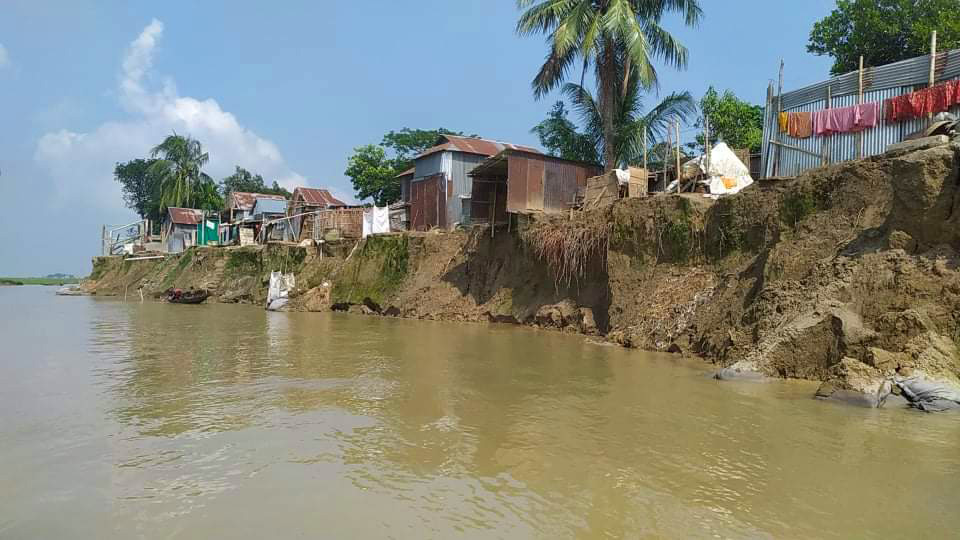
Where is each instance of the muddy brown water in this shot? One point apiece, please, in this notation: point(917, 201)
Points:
point(129, 420)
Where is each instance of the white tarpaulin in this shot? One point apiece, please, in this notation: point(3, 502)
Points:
point(376, 220)
point(623, 176)
point(279, 290)
point(726, 173)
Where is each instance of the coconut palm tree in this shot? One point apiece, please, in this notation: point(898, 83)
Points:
point(629, 119)
point(607, 34)
point(178, 165)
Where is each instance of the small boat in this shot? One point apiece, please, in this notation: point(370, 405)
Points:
point(70, 290)
point(192, 296)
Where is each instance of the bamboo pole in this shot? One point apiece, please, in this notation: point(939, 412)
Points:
point(776, 152)
point(933, 56)
point(666, 157)
point(677, 121)
point(933, 62)
point(825, 140)
point(706, 141)
point(493, 212)
point(644, 150)
point(792, 147)
point(860, 102)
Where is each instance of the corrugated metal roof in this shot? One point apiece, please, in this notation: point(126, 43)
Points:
point(269, 206)
point(903, 73)
point(470, 145)
point(493, 161)
point(316, 197)
point(242, 200)
point(185, 216)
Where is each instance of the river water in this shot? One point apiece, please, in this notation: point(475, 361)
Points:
point(129, 420)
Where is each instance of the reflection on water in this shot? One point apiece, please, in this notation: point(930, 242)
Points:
point(152, 420)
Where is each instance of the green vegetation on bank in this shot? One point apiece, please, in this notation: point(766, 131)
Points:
point(38, 280)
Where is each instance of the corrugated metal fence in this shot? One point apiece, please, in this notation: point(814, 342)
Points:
point(879, 83)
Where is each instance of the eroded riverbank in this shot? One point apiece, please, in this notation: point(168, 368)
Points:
point(847, 274)
point(154, 420)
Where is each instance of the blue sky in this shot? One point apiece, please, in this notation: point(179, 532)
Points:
point(288, 89)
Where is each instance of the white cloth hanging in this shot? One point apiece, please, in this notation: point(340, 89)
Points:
point(376, 220)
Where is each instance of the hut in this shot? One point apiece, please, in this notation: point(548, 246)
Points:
point(517, 181)
point(239, 208)
point(441, 188)
point(185, 227)
point(304, 205)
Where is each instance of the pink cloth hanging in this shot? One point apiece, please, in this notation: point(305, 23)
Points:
point(866, 115)
point(820, 122)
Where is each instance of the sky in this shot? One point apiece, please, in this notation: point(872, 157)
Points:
point(287, 90)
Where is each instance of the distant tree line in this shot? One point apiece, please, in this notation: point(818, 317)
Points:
point(172, 176)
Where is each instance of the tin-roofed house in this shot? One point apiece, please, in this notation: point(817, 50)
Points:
point(521, 182)
point(267, 213)
point(303, 207)
point(441, 188)
point(239, 207)
point(180, 228)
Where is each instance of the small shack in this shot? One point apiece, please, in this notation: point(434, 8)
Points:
point(337, 223)
point(517, 181)
point(441, 187)
point(265, 212)
point(185, 227)
point(239, 209)
point(303, 207)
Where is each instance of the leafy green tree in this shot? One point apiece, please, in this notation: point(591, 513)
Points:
point(560, 137)
point(277, 189)
point(630, 119)
point(618, 37)
point(373, 174)
point(243, 180)
point(738, 123)
point(883, 31)
point(407, 143)
point(141, 190)
point(178, 163)
point(206, 196)
point(373, 171)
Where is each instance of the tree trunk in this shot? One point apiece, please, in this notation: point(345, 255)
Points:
point(608, 74)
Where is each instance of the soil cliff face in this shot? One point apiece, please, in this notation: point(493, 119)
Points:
point(845, 274)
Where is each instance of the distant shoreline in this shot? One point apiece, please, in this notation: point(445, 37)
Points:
point(11, 281)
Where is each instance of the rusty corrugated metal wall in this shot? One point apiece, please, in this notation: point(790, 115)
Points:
point(541, 183)
point(880, 83)
point(428, 203)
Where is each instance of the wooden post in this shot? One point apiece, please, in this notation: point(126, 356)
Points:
point(678, 155)
point(860, 102)
point(644, 150)
point(933, 56)
point(493, 211)
point(776, 151)
point(666, 157)
point(933, 62)
point(825, 140)
point(706, 142)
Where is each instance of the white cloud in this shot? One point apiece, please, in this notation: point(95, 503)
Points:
point(4, 56)
point(81, 164)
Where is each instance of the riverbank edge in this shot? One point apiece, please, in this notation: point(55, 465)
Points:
point(845, 275)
